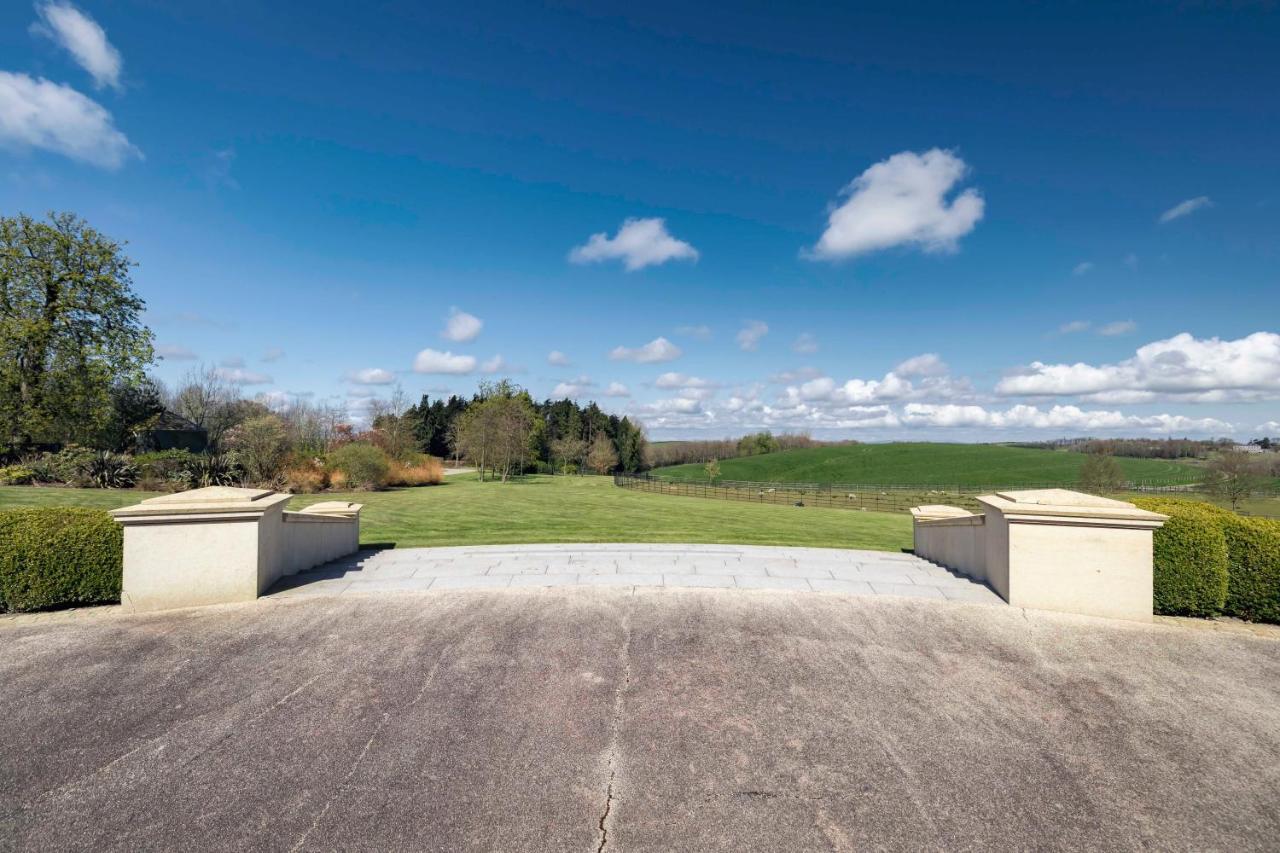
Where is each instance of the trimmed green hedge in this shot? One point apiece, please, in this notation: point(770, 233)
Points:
point(1191, 558)
point(59, 557)
point(1254, 548)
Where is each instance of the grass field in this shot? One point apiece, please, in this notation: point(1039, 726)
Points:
point(464, 511)
point(926, 464)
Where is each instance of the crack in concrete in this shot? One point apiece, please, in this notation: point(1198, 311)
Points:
point(615, 730)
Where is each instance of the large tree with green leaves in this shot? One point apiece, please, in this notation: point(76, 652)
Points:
point(70, 330)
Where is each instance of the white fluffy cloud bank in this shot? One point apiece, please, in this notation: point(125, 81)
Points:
point(461, 327)
point(371, 376)
point(83, 38)
point(1181, 368)
point(902, 201)
point(434, 361)
point(37, 113)
point(639, 243)
point(657, 350)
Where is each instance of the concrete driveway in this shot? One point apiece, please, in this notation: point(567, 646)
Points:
point(601, 719)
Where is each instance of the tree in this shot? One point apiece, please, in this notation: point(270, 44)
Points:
point(568, 449)
point(70, 326)
point(261, 445)
point(1101, 473)
point(602, 458)
point(135, 407)
point(713, 470)
point(632, 446)
point(1233, 475)
point(497, 428)
point(208, 401)
point(394, 426)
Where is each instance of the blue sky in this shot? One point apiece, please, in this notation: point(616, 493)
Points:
point(900, 221)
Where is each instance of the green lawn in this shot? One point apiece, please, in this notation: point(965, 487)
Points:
point(926, 464)
point(465, 511)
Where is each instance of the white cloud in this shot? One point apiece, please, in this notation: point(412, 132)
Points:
point(1119, 327)
point(1185, 208)
point(701, 332)
point(639, 243)
point(925, 364)
point(83, 38)
point(902, 201)
point(800, 374)
point(434, 361)
point(1059, 418)
point(574, 388)
point(42, 114)
point(1181, 367)
point(174, 352)
point(750, 334)
point(232, 361)
point(617, 389)
point(805, 344)
point(497, 364)
point(1082, 268)
point(461, 327)
point(1270, 427)
point(680, 380)
point(1074, 326)
point(557, 358)
point(272, 354)
point(239, 376)
point(657, 350)
point(371, 376)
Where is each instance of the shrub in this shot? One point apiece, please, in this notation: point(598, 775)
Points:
point(1190, 555)
point(1253, 549)
point(214, 469)
point(16, 475)
point(172, 466)
point(66, 466)
point(365, 466)
point(261, 445)
point(107, 470)
point(57, 557)
point(427, 471)
point(306, 478)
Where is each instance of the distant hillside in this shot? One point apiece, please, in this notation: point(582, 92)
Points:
point(935, 464)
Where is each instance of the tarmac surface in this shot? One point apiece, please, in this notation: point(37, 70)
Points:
point(599, 719)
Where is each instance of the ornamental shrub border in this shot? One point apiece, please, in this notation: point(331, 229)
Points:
point(1185, 561)
point(59, 557)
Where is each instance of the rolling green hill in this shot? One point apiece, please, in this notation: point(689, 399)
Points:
point(920, 464)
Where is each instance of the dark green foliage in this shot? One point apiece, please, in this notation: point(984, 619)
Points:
point(59, 557)
point(107, 470)
point(214, 469)
point(1101, 473)
point(1190, 554)
point(169, 466)
point(1253, 548)
point(757, 444)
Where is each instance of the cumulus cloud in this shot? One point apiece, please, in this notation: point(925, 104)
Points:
point(657, 350)
point(434, 361)
point(1074, 326)
point(240, 376)
point(37, 113)
point(1270, 427)
point(1060, 418)
point(497, 364)
point(1182, 367)
point(174, 352)
point(82, 37)
point(461, 327)
point(902, 201)
point(557, 358)
point(371, 376)
point(805, 344)
point(925, 364)
point(574, 388)
point(617, 389)
point(1119, 327)
point(750, 335)
point(672, 379)
point(639, 243)
point(1082, 268)
point(1185, 208)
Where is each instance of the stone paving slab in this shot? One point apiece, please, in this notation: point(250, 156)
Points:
point(788, 569)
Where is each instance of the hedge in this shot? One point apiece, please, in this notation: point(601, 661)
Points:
point(59, 557)
point(1253, 546)
point(1191, 558)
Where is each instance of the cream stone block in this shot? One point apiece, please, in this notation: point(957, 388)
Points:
point(222, 544)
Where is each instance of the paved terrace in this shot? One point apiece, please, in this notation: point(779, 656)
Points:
point(651, 719)
point(631, 566)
